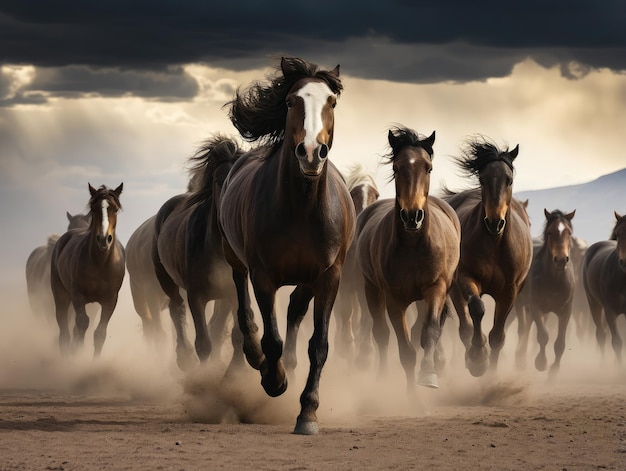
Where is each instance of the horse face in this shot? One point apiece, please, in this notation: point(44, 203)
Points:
point(496, 183)
point(411, 170)
point(559, 239)
point(310, 124)
point(363, 195)
point(104, 208)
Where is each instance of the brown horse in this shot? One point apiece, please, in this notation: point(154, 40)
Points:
point(288, 219)
point(549, 288)
point(187, 251)
point(604, 279)
point(88, 266)
point(496, 249)
point(353, 328)
point(38, 270)
point(408, 250)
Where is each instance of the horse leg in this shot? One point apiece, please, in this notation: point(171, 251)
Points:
point(541, 362)
point(465, 321)
point(245, 318)
point(100, 334)
point(365, 348)
point(325, 292)
point(523, 333)
point(343, 313)
point(298, 306)
point(616, 340)
point(82, 321)
point(273, 375)
point(559, 343)
point(497, 335)
point(380, 329)
point(218, 328)
point(237, 361)
point(431, 332)
point(418, 325)
point(62, 305)
point(408, 357)
point(595, 308)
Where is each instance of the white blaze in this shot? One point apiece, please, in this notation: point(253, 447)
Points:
point(105, 217)
point(561, 227)
point(315, 96)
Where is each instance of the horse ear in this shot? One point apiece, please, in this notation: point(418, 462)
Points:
point(514, 152)
point(286, 66)
point(617, 215)
point(335, 71)
point(431, 139)
point(391, 137)
point(118, 190)
point(571, 215)
point(68, 215)
point(92, 190)
point(546, 213)
point(525, 203)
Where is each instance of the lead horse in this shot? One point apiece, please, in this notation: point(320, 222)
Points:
point(408, 250)
point(604, 279)
point(287, 219)
point(496, 249)
point(88, 266)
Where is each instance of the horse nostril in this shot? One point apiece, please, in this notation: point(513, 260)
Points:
point(110, 238)
point(323, 151)
point(301, 150)
point(420, 216)
point(501, 224)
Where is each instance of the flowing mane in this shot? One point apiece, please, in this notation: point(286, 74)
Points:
point(358, 175)
point(259, 112)
point(479, 152)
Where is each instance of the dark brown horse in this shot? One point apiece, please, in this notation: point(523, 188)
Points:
point(549, 288)
point(496, 249)
point(604, 279)
point(38, 271)
point(287, 219)
point(187, 251)
point(88, 266)
point(354, 330)
point(408, 250)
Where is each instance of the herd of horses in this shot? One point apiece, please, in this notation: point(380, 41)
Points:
point(282, 214)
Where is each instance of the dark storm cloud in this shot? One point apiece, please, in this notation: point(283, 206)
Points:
point(401, 40)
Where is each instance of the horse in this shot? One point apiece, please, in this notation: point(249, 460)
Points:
point(187, 251)
point(287, 219)
point(364, 192)
point(604, 280)
point(408, 249)
point(38, 270)
point(88, 266)
point(549, 288)
point(496, 249)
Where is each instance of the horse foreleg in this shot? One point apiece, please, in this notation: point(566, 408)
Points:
point(100, 333)
point(465, 321)
point(344, 317)
point(245, 319)
point(325, 291)
point(365, 348)
point(62, 305)
point(595, 308)
point(541, 361)
point(559, 344)
point(380, 329)
point(523, 333)
point(616, 340)
point(298, 306)
point(497, 334)
point(218, 328)
point(82, 321)
point(273, 375)
point(197, 305)
point(408, 357)
point(431, 333)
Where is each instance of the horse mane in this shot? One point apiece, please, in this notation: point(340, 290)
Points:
point(358, 175)
point(259, 112)
point(52, 240)
point(553, 216)
point(211, 154)
point(103, 193)
point(479, 151)
point(408, 137)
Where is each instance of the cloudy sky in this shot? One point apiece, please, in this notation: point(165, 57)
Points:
point(105, 92)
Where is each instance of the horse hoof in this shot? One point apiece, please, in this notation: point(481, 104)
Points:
point(306, 427)
point(185, 359)
point(541, 363)
point(274, 383)
point(428, 380)
point(477, 367)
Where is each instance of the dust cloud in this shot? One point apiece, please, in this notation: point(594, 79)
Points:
point(130, 368)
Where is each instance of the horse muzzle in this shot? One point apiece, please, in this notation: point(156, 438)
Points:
point(560, 262)
point(412, 220)
point(312, 161)
point(622, 264)
point(495, 226)
point(104, 242)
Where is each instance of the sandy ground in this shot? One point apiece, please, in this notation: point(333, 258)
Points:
point(133, 409)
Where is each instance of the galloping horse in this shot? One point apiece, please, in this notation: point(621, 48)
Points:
point(408, 249)
point(549, 288)
point(187, 251)
point(496, 249)
point(364, 192)
point(604, 279)
point(38, 270)
point(88, 266)
point(288, 219)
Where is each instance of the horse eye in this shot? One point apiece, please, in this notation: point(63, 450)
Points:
point(430, 170)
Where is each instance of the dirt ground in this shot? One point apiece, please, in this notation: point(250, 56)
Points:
point(133, 409)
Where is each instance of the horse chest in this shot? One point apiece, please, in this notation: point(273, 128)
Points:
point(552, 291)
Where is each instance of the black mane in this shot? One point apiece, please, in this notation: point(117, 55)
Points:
point(103, 193)
point(259, 112)
point(480, 152)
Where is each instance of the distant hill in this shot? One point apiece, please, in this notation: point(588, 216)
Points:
point(594, 203)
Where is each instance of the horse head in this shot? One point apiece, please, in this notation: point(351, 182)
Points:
point(411, 159)
point(557, 236)
point(104, 205)
point(310, 119)
point(619, 235)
